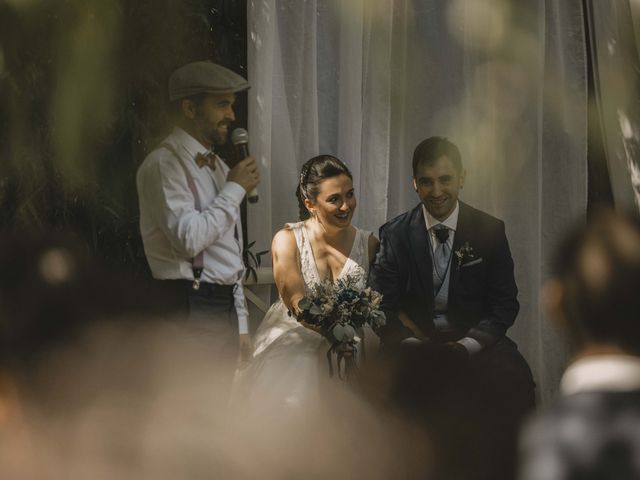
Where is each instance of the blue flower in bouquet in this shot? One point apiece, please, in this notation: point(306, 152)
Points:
point(348, 296)
point(337, 310)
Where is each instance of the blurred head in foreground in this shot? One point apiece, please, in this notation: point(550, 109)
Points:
point(594, 294)
point(591, 430)
point(51, 291)
point(82, 365)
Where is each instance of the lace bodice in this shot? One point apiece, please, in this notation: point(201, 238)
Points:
point(356, 266)
point(289, 359)
point(278, 328)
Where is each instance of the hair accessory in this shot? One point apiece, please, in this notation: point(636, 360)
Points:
point(303, 175)
point(303, 179)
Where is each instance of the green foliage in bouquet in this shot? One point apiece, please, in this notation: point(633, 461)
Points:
point(337, 310)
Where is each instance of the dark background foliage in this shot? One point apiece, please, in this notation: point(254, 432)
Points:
point(82, 101)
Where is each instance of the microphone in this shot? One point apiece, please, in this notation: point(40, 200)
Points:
point(240, 140)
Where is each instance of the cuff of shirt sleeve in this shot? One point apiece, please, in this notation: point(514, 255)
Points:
point(471, 344)
point(233, 191)
point(243, 325)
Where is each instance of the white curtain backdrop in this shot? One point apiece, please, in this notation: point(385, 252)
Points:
point(367, 80)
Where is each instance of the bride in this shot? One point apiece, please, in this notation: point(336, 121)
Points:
point(288, 363)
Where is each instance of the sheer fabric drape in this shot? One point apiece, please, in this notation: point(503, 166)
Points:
point(615, 34)
point(366, 80)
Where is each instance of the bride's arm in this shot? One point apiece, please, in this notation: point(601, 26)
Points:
point(286, 269)
point(374, 245)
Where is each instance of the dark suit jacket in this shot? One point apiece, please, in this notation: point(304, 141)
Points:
point(482, 289)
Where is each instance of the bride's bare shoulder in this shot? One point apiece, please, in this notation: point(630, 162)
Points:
point(284, 242)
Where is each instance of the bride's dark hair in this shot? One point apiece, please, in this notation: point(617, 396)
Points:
point(313, 172)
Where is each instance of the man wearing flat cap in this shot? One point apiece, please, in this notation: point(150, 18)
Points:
point(190, 207)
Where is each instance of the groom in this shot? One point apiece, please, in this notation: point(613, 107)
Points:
point(446, 275)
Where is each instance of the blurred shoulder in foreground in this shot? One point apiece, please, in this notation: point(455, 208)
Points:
point(593, 298)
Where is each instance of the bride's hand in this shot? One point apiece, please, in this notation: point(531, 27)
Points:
point(295, 311)
point(315, 328)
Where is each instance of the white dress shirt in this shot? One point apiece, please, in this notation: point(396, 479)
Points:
point(602, 373)
point(173, 231)
point(451, 222)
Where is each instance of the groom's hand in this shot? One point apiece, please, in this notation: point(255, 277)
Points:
point(458, 350)
point(246, 348)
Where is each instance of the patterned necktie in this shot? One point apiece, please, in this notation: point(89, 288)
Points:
point(440, 256)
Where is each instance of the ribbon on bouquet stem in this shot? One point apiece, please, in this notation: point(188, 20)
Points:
point(345, 353)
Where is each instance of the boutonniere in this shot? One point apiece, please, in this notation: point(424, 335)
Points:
point(465, 252)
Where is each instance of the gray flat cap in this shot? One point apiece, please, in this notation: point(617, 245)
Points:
point(204, 77)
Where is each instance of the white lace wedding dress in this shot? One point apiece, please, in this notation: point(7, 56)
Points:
point(289, 361)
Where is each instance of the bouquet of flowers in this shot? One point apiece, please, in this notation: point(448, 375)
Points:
point(337, 310)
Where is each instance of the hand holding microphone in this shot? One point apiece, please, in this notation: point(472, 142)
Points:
point(245, 174)
point(246, 170)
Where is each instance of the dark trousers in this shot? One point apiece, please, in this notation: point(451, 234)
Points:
point(470, 408)
point(209, 312)
point(504, 370)
point(508, 373)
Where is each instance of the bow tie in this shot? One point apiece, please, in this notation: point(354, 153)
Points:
point(206, 160)
point(442, 233)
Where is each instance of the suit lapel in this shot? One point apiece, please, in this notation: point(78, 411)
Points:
point(420, 248)
point(458, 240)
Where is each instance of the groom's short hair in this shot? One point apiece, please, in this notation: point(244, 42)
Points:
point(431, 149)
